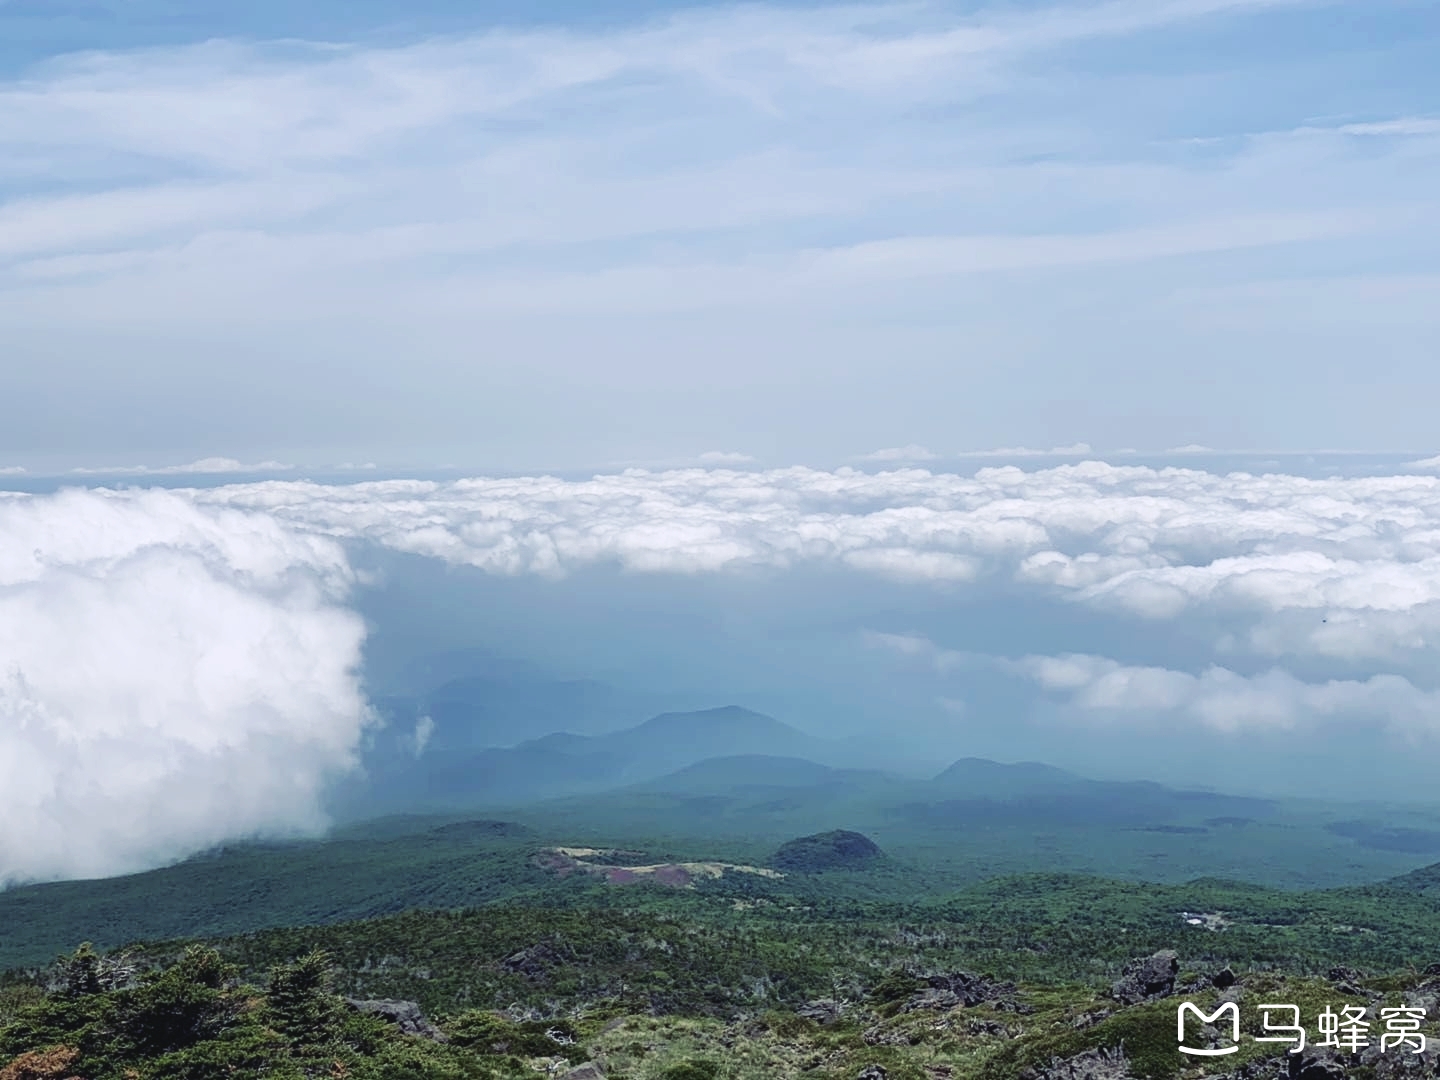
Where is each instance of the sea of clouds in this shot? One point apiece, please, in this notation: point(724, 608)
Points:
point(182, 666)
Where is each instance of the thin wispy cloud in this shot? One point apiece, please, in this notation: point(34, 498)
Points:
point(869, 190)
point(900, 453)
point(1073, 450)
point(210, 465)
point(725, 457)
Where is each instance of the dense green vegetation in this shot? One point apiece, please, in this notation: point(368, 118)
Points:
point(668, 985)
point(821, 975)
point(580, 932)
point(839, 849)
point(405, 864)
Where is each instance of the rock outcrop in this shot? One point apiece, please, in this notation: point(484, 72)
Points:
point(405, 1015)
point(957, 988)
point(535, 961)
point(1098, 1064)
point(1148, 979)
point(822, 1011)
point(587, 1071)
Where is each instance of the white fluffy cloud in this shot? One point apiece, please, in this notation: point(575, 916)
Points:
point(1225, 701)
point(178, 667)
point(1325, 570)
point(1334, 567)
point(171, 675)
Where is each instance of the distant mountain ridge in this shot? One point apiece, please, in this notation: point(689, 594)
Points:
point(566, 764)
point(755, 771)
point(981, 776)
point(979, 791)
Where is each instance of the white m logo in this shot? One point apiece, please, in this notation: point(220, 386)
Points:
point(1229, 1008)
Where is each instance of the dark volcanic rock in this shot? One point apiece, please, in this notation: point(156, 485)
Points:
point(405, 1015)
point(1224, 979)
point(1147, 979)
point(1312, 1064)
point(872, 1072)
point(535, 961)
point(838, 850)
point(1327, 1063)
point(1260, 1069)
point(957, 988)
point(823, 1012)
point(1346, 980)
point(1098, 1064)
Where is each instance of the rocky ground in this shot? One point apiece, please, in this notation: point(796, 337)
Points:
point(962, 1026)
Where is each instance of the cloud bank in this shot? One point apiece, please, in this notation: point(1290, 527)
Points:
point(1356, 558)
point(171, 675)
point(178, 667)
point(1286, 571)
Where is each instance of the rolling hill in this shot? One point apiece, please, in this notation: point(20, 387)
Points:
point(976, 821)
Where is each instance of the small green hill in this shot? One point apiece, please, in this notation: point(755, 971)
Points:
point(1425, 880)
point(840, 849)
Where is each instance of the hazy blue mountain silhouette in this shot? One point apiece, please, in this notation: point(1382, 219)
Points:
point(758, 772)
point(981, 792)
point(565, 763)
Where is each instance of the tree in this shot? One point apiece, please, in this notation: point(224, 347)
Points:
point(299, 1002)
point(191, 1001)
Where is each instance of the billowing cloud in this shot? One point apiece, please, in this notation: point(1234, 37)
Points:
point(1334, 567)
point(1335, 570)
point(171, 675)
point(177, 667)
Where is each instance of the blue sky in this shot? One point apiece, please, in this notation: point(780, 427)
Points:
point(594, 234)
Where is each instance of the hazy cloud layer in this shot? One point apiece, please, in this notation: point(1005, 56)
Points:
point(1287, 569)
point(171, 675)
point(210, 465)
